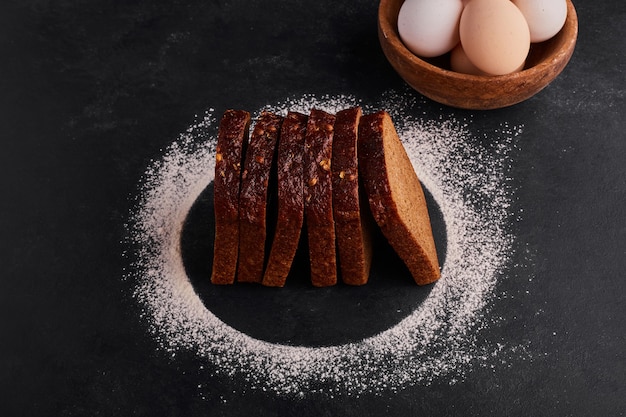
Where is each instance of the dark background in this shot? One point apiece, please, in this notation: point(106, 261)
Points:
point(91, 91)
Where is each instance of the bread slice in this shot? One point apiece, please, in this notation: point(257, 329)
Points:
point(290, 218)
point(319, 199)
point(396, 197)
point(354, 241)
point(232, 138)
point(255, 180)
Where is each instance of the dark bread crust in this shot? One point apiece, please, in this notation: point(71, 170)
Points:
point(396, 197)
point(290, 172)
point(354, 240)
point(318, 198)
point(232, 138)
point(253, 200)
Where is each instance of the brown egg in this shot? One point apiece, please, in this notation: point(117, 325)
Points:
point(494, 35)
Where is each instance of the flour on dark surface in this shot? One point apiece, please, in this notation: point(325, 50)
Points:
point(439, 340)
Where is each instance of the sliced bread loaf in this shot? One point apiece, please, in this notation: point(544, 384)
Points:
point(354, 241)
point(290, 218)
point(318, 198)
point(396, 197)
point(255, 181)
point(232, 138)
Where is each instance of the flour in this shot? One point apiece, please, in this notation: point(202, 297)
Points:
point(437, 340)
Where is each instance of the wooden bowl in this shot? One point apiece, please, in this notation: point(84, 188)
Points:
point(434, 79)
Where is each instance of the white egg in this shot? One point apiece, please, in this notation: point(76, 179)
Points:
point(430, 28)
point(545, 17)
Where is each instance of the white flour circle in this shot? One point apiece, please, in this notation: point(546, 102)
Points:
point(466, 178)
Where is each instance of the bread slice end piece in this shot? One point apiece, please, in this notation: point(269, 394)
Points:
point(396, 197)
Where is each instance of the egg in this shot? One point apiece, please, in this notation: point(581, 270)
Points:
point(545, 17)
point(459, 62)
point(494, 35)
point(430, 28)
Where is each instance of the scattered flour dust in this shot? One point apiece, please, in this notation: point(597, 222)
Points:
point(437, 340)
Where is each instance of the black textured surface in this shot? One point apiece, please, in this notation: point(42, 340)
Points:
point(91, 91)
